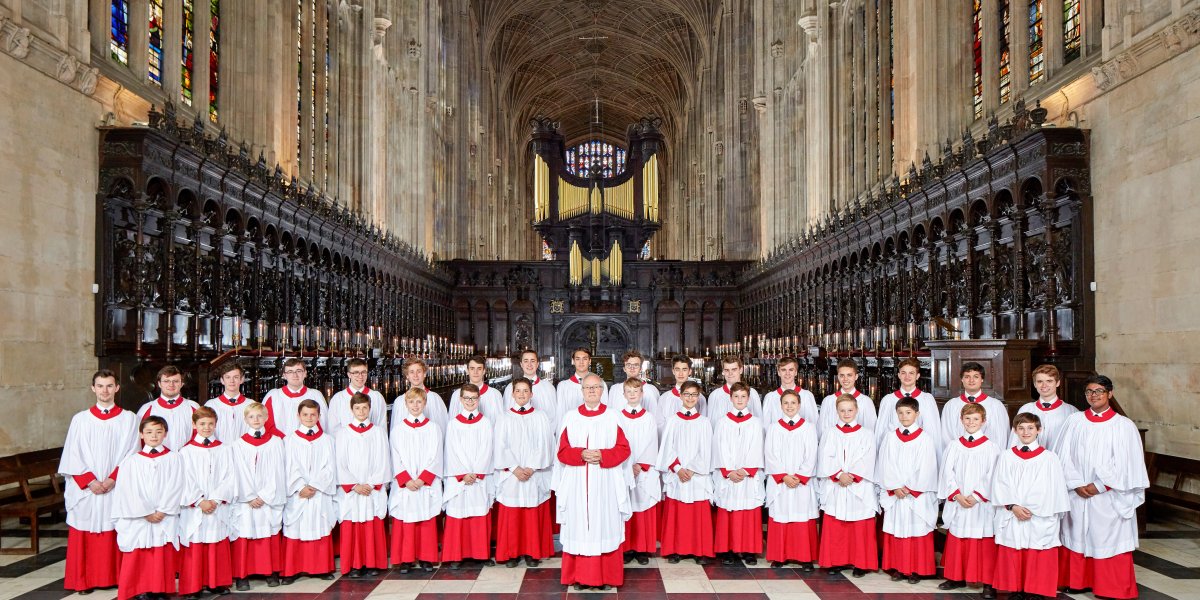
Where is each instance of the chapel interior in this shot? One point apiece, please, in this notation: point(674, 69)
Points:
point(1011, 182)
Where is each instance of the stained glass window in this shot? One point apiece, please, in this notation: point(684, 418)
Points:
point(977, 57)
point(156, 41)
point(214, 58)
point(1005, 50)
point(1070, 30)
point(118, 38)
point(645, 253)
point(1037, 37)
point(595, 157)
point(547, 253)
point(189, 30)
point(299, 79)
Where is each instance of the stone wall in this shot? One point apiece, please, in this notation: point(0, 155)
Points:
point(47, 255)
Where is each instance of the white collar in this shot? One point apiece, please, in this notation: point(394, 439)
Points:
point(147, 449)
point(101, 407)
point(1032, 445)
point(912, 429)
point(415, 419)
point(633, 407)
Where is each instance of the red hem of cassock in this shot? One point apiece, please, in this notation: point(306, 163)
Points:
point(554, 511)
point(910, 555)
point(148, 571)
point(93, 560)
point(412, 542)
point(523, 532)
point(261, 556)
point(1111, 577)
point(313, 557)
point(205, 566)
point(466, 538)
point(972, 560)
point(606, 569)
point(739, 531)
point(687, 528)
point(1030, 571)
point(849, 543)
point(796, 541)
point(641, 531)
point(363, 545)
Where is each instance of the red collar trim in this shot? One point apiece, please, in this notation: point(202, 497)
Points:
point(165, 451)
point(99, 414)
point(314, 437)
point(1038, 404)
point(640, 413)
point(842, 428)
point(366, 390)
point(227, 402)
point(726, 388)
point(783, 423)
point(253, 441)
point(695, 415)
point(197, 444)
point(742, 419)
point(163, 403)
point(522, 413)
point(462, 419)
point(288, 392)
point(980, 398)
point(979, 440)
point(675, 390)
point(536, 380)
point(916, 392)
point(574, 379)
point(1030, 454)
point(583, 410)
point(796, 389)
point(415, 425)
point(854, 393)
point(1109, 413)
point(483, 389)
point(910, 437)
point(362, 430)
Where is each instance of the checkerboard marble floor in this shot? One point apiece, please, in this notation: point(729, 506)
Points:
point(1168, 566)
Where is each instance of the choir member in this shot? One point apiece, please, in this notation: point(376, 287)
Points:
point(787, 369)
point(969, 515)
point(340, 414)
point(632, 365)
point(570, 390)
point(996, 426)
point(645, 492)
point(929, 419)
point(593, 489)
point(468, 500)
point(416, 499)
point(364, 468)
point(1105, 468)
point(846, 469)
point(230, 404)
point(210, 488)
point(258, 518)
point(671, 402)
point(146, 505)
point(1048, 407)
point(847, 376)
point(790, 458)
point(907, 468)
point(415, 370)
point(719, 402)
point(491, 401)
point(311, 508)
point(685, 457)
point(282, 403)
point(738, 488)
point(98, 439)
point(544, 399)
point(172, 407)
point(524, 453)
point(1028, 482)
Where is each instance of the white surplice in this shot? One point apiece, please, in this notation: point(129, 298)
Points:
point(995, 427)
point(773, 409)
point(848, 450)
point(642, 433)
point(341, 415)
point(283, 404)
point(615, 399)
point(263, 464)
point(687, 443)
point(1054, 421)
point(669, 403)
point(828, 416)
point(908, 461)
point(929, 418)
point(96, 443)
point(1036, 483)
point(719, 403)
point(491, 402)
point(231, 417)
point(569, 396)
point(416, 453)
point(178, 417)
point(738, 444)
point(523, 439)
point(435, 410)
point(311, 462)
point(791, 450)
point(469, 449)
point(967, 469)
point(363, 456)
point(210, 473)
point(149, 483)
point(544, 398)
point(593, 499)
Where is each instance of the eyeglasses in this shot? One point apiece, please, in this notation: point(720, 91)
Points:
point(1094, 392)
point(593, 387)
point(690, 394)
point(293, 371)
point(364, 372)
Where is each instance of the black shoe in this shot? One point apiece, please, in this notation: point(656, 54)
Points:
point(488, 563)
point(512, 563)
point(272, 581)
point(454, 565)
point(776, 564)
point(989, 593)
point(426, 566)
point(287, 580)
point(701, 560)
point(404, 569)
point(192, 597)
point(222, 591)
point(914, 579)
point(602, 587)
point(354, 574)
point(532, 562)
point(84, 592)
point(806, 567)
point(1071, 590)
point(751, 559)
point(1017, 596)
point(643, 559)
point(579, 587)
point(859, 572)
point(951, 585)
point(896, 576)
point(372, 572)
point(673, 559)
point(329, 576)
point(628, 557)
point(241, 585)
point(728, 559)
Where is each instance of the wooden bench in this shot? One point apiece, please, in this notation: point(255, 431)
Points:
point(1183, 469)
point(35, 474)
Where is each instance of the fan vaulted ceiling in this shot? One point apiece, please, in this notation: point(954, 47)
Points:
point(639, 57)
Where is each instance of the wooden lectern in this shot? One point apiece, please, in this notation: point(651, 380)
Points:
point(1008, 364)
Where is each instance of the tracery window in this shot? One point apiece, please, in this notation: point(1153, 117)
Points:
point(155, 25)
point(1071, 38)
point(977, 57)
point(1037, 37)
point(595, 156)
point(118, 38)
point(645, 253)
point(188, 52)
point(1005, 51)
point(214, 58)
point(547, 253)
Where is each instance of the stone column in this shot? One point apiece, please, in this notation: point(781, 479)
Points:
point(1019, 56)
point(1052, 37)
point(989, 24)
point(202, 22)
point(139, 40)
point(817, 103)
point(172, 40)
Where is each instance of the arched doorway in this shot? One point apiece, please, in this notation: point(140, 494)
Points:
point(608, 338)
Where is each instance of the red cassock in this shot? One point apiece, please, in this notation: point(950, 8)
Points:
point(362, 545)
point(796, 541)
point(524, 532)
point(1079, 572)
point(849, 543)
point(204, 566)
point(641, 531)
point(1028, 570)
point(93, 560)
point(972, 560)
point(412, 542)
point(148, 571)
point(738, 531)
point(312, 557)
point(909, 555)
point(261, 556)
